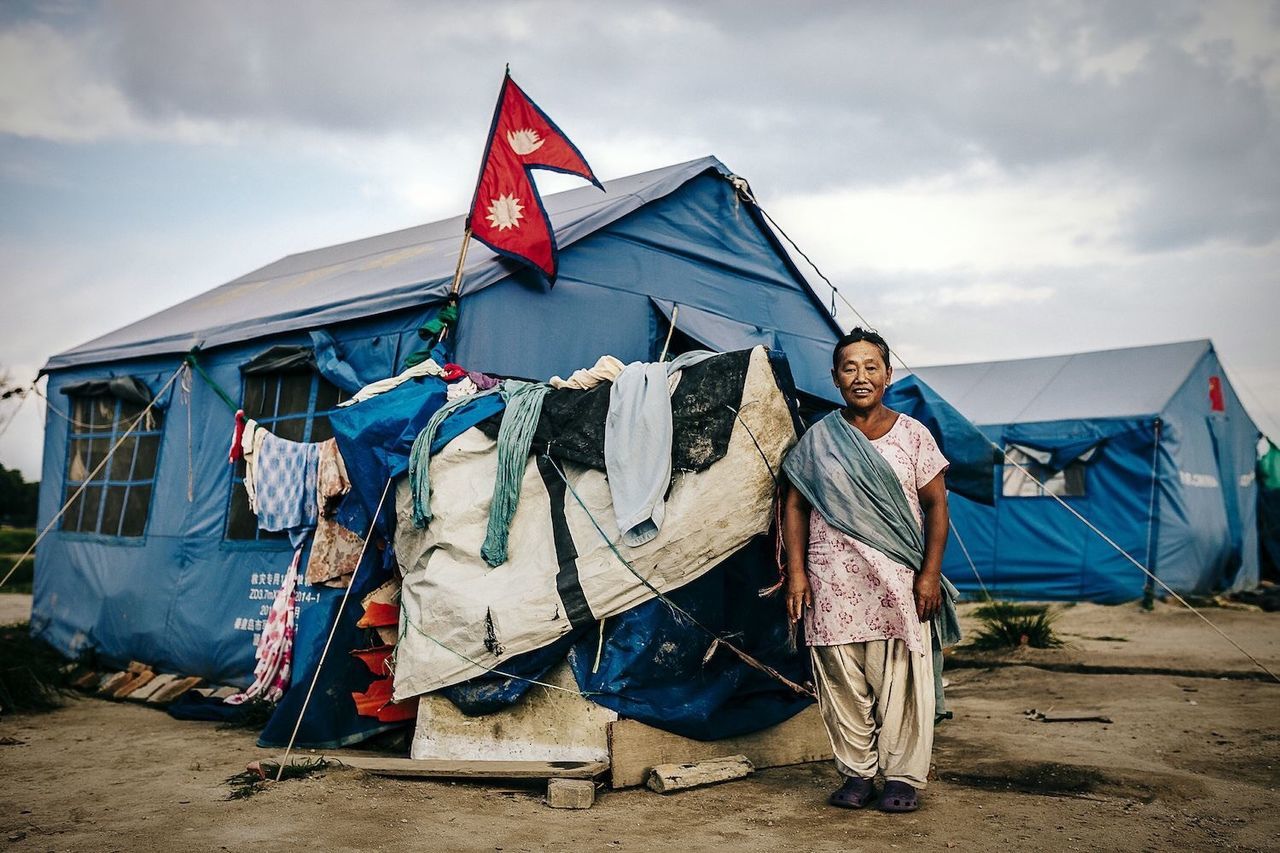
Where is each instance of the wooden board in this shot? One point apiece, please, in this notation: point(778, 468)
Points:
point(442, 769)
point(634, 748)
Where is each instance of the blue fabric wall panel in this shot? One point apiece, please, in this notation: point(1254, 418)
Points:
point(520, 329)
point(1119, 484)
point(974, 524)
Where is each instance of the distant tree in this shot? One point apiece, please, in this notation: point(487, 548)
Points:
point(17, 499)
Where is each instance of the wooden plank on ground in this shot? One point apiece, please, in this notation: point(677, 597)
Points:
point(449, 769)
point(634, 748)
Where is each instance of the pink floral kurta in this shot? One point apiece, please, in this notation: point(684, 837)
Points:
point(859, 594)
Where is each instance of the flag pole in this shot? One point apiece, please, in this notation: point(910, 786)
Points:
point(462, 259)
point(456, 288)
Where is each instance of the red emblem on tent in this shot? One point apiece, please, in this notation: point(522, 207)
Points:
point(506, 213)
point(1216, 403)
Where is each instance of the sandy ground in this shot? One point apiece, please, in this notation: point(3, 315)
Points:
point(1189, 762)
point(14, 607)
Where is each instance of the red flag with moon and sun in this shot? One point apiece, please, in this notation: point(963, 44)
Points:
point(506, 213)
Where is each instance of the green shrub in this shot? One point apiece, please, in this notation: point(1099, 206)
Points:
point(1008, 625)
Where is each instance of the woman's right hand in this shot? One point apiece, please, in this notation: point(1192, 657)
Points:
point(799, 595)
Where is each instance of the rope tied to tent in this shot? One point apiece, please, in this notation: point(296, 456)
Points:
point(194, 363)
point(142, 416)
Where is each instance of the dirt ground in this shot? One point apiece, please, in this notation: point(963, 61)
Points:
point(1190, 761)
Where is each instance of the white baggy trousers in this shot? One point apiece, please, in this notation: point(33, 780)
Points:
point(877, 702)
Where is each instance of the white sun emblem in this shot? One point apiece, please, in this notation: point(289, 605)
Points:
point(504, 212)
point(524, 141)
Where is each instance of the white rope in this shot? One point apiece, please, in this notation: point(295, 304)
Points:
point(75, 423)
point(964, 550)
point(90, 477)
point(746, 194)
point(337, 619)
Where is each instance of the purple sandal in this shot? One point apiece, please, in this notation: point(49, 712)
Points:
point(898, 797)
point(853, 794)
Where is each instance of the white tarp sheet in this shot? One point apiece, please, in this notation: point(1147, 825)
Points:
point(459, 616)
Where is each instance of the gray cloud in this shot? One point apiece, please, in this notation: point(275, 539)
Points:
point(799, 97)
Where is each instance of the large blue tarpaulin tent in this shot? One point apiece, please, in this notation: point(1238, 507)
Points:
point(159, 561)
point(1150, 444)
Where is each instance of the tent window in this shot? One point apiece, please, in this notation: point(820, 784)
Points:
point(117, 499)
point(1067, 483)
point(294, 405)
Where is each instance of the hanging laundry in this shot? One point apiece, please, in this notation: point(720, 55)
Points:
point(426, 367)
point(284, 483)
point(275, 644)
point(250, 441)
point(420, 455)
point(637, 444)
point(335, 550)
point(606, 369)
point(237, 437)
point(524, 408)
point(464, 388)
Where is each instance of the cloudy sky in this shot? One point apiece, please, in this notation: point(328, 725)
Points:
point(981, 180)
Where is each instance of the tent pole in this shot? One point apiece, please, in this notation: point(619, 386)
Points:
point(337, 619)
point(462, 259)
point(675, 312)
point(456, 288)
point(1149, 589)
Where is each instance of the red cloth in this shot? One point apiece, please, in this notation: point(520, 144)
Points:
point(376, 701)
point(1216, 402)
point(506, 213)
point(452, 371)
point(237, 451)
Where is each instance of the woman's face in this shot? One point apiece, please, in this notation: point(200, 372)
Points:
point(862, 376)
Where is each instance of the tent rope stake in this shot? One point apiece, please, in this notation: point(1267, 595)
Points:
point(87, 480)
point(1150, 575)
point(337, 619)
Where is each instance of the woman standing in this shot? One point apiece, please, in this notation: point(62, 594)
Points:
point(865, 522)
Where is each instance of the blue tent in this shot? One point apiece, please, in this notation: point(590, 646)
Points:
point(159, 559)
point(1150, 444)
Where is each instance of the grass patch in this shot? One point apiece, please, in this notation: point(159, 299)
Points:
point(23, 578)
point(1006, 625)
point(16, 540)
point(31, 676)
point(246, 784)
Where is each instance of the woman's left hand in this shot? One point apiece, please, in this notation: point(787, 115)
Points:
point(928, 592)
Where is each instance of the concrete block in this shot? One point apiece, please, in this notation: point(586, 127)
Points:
point(571, 793)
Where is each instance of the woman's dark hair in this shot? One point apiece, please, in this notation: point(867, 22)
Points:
point(856, 335)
